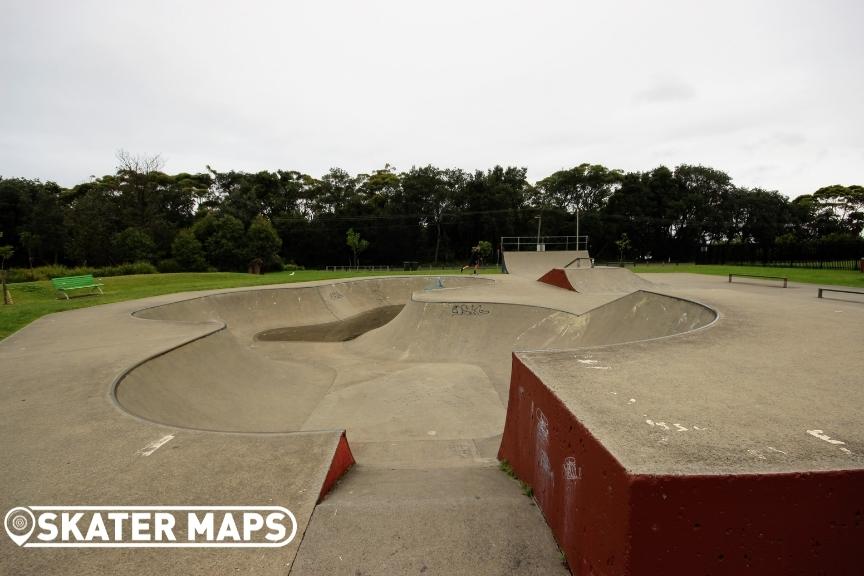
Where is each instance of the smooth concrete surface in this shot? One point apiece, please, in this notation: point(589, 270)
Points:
point(428, 389)
point(602, 279)
point(443, 359)
point(453, 520)
point(737, 398)
point(64, 442)
point(423, 400)
point(533, 265)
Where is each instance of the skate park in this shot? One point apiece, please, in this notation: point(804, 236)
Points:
point(663, 423)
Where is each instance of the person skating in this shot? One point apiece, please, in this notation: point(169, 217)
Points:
point(474, 261)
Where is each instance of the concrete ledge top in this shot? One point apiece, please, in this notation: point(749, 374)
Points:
point(772, 386)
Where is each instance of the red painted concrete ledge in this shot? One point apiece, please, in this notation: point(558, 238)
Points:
point(557, 277)
point(343, 459)
point(609, 521)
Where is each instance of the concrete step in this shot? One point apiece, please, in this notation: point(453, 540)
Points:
point(427, 453)
point(458, 520)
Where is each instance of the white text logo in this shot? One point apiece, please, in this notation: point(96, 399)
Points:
point(150, 526)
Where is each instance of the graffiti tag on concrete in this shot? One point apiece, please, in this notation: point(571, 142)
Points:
point(469, 310)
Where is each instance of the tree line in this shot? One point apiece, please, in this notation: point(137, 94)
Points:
point(227, 220)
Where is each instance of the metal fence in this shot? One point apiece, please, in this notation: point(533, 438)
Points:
point(843, 255)
point(543, 243)
point(355, 268)
point(615, 264)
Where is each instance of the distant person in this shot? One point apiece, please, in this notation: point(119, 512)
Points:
point(474, 261)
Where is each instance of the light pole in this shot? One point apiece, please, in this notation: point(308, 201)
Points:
point(539, 218)
point(577, 227)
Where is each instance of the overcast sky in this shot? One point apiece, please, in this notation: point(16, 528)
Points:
point(772, 92)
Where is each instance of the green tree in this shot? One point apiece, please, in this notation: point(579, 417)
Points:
point(491, 205)
point(485, 249)
point(133, 245)
point(380, 188)
point(585, 188)
point(31, 243)
point(31, 216)
point(263, 243)
point(633, 209)
point(356, 244)
point(188, 251)
point(243, 195)
point(623, 244)
point(431, 192)
point(767, 216)
point(842, 205)
point(6, 252)
point(335, 191)
point(225, 245)
point(152, 201)
point(726, 223)
point(92, 219)
point(696, 209)
point(223, 238)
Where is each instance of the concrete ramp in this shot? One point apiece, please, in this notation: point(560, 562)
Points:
point(596, 280)
point(533, 265)
point(452, 330)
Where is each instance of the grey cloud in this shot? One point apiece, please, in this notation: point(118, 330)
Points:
point(778, 140)
point(666, 90)
point(792, 139)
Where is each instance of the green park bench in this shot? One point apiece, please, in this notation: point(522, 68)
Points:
point(66, 284)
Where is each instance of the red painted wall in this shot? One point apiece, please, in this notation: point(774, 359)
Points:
point(580, 488)
point(749, 524)
point(610, 522)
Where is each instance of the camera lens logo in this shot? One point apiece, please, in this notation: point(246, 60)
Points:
point(19, 523)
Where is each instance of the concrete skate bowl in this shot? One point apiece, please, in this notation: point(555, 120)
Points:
point(441, 365)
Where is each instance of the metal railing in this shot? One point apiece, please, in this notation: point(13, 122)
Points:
point(783, 278)
point(355, 268)
point(821, 290)
point(543, 243)
point(615, 264)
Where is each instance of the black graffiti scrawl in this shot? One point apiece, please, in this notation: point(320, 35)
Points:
point(469, 310)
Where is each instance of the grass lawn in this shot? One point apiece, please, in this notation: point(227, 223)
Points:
point(36, 299)
point(851, 278)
